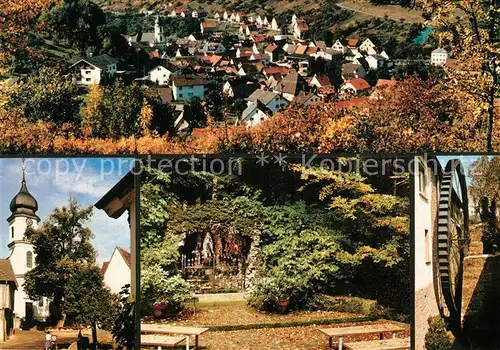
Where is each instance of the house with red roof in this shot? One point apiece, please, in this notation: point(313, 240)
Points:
point(320, 81)
point(355, 86)
point(208, 27)
point(117, 270)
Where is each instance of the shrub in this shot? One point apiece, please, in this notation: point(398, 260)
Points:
point(268, 290)
point(158, 287)
point(124, 328)
point(437, 337)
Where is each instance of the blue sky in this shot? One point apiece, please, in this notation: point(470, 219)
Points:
point(52, 181)
point(465, 160)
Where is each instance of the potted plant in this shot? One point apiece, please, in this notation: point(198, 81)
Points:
point(159, 310)
point(283, 293)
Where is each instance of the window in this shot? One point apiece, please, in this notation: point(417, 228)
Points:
point(87, 79)
point(180, 96)
point(190, 94)
point(422, 180)
point(87, 72)
point(40, 302)
point(427, 247)
point(29, 260)
point(12, 231)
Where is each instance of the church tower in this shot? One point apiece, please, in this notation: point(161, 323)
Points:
point(159, 38)
point(23, 208)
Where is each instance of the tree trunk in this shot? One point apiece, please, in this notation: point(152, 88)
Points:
point(94, 334)
point(491, 121)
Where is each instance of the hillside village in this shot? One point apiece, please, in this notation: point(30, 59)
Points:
point(256, 65)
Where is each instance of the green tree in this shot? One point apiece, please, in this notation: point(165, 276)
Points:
point(47, 96)
point(61, 243)
point(156, 197)
point(87, 301)
point(113, 111)
point(76, 21)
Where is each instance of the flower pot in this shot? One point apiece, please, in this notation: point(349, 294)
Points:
point(283, 305)
point(159, 310)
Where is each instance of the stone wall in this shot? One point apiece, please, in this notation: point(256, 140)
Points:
point(425, 307)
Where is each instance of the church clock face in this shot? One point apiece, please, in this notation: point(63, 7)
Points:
point(29, 222)
point(453, 238)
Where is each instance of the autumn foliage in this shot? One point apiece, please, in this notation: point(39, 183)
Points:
point(416, 115)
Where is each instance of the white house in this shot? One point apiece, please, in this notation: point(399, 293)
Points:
point(160, 75)
point(272, 100)
point(373, 63)
point(186, 87)
point(299, 29)
point(370, 45)
point(426, 194)
point(94, 70)
point(23, 209)
point(339, 46)
point(117, 270)
point(265, 21)
point(274, 24)
point(259, 21)
point(239, 17)
point(8, 287)
point(355, 86)
point(245, 30)
point(255, 113)
point(439, 57)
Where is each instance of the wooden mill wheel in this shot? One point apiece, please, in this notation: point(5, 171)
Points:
point(453, 237)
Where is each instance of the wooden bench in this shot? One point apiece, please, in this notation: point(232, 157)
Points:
point(162, 341)
point(166, 329)
point(385, 344)
point(342, 332)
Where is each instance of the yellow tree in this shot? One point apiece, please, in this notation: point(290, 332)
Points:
point(92, 111)
point(145, 118)
point(470, 28)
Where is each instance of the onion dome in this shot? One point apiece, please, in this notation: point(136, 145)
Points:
point(24, 203)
